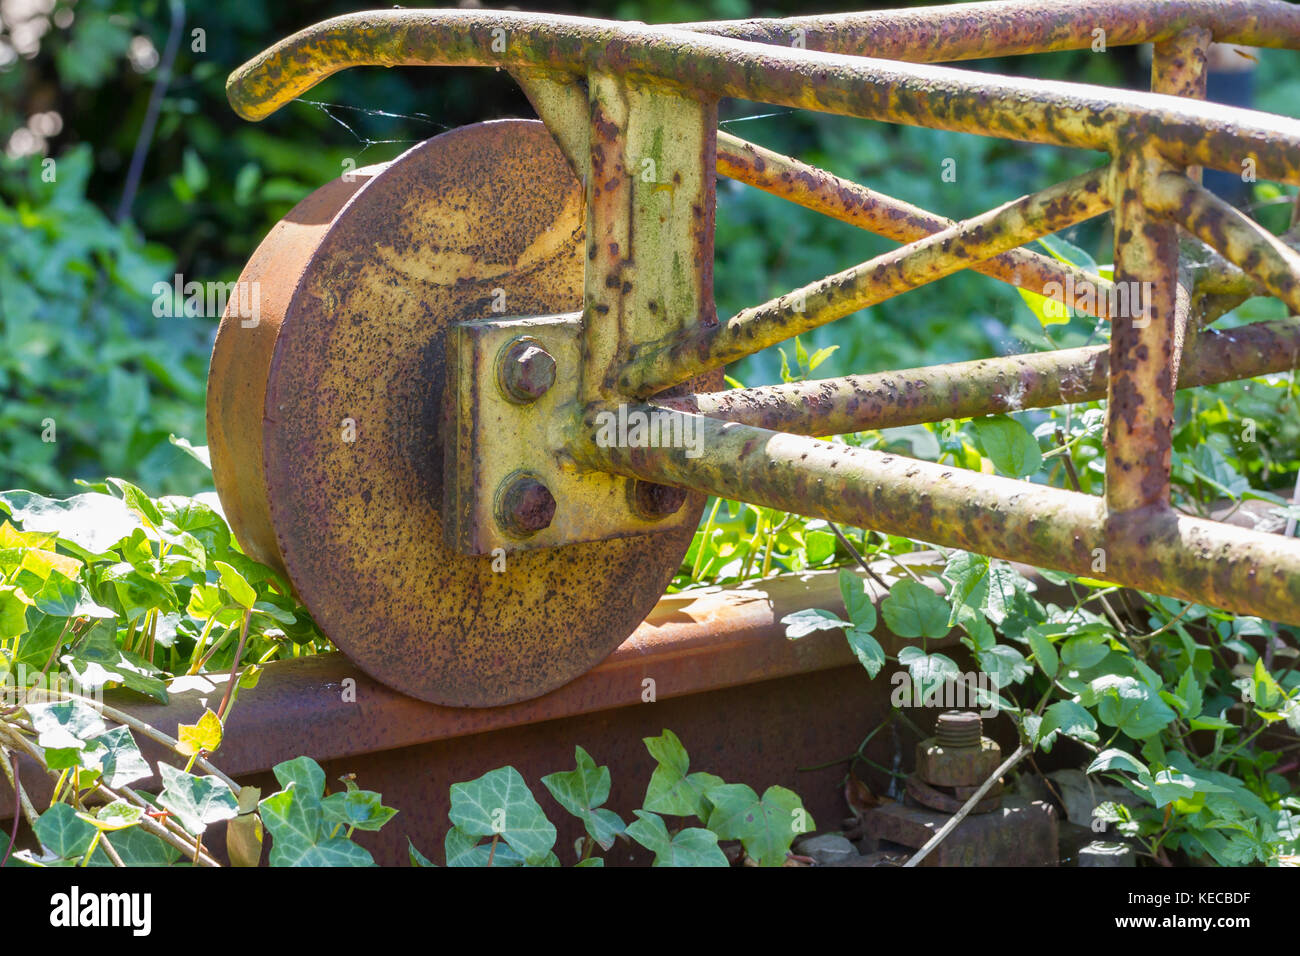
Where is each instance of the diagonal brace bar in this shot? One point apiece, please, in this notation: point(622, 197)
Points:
point(669, 361)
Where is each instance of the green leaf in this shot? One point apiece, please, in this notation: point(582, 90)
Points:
point(672, 789)
point(765, 827)
point(63, 832)
point(857, 602)
point(306, 775)
point(196, 801)
point(913, 610)
point(499, 802)
point(802, 623)
point(117, 815)
point(97, 659)
point(65, 725)
point(1189, 692)
point(1004, 664)
point(138, 502)
point(240, 591)
point(117, 758)
point(362, 809)
point(94, 522)
point(581, 792)
point(1008, 444)
point(867, 650)
point(63, 597)
point(1116, 759)
point(1043, 650)
point(138, 847)
point(1068, 718)
point(929, 671)
point(968, 575)
point(690, 847)
point(417, 858)
point(465, 849)
point(1130, 705)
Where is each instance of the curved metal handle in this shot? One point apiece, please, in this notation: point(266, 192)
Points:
point(412, 38)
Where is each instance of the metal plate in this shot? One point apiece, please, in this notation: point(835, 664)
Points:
point(336, 476)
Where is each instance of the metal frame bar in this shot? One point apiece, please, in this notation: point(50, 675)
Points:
point(615, 95)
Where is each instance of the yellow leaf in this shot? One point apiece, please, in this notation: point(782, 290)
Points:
point(205, 735)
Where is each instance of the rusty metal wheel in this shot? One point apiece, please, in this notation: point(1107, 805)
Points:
point(324, 419)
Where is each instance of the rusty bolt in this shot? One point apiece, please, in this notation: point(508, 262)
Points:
point(654, 501)
point(957, 756)
point(524, 505)
point(958, 728)
point(525, 370)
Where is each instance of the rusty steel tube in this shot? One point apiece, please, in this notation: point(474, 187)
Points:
point(1026, 109)
point(1242, 241)
point(1157, 550)
point(854, 403)
point(967, 31)
point(1145, 345)
point(847, 201)
point(670, 361)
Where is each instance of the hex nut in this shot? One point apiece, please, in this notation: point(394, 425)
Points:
point(957, 766)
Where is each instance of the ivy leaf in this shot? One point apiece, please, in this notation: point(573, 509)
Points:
point(581, 792)
point(117, 815)
point(62, 597)
point(465, 849)
point(63, 832)
point(693, 846)
point(118, 758)
point(205, 735)
point(672, 789)
point(362, 809)
point(94, 522)
point(305, 774)
point(765, 827)
point(97, 659)
point(1008, 444)
point(802, 623)
point(416, 857)
point(63, 730)
point(138, 502)
point(138, 847)
point(857, 603)
point(913, 610)
point(196, 801)
point(499, 802)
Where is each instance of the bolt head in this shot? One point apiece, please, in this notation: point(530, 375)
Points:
point(654, 501)
point(526, 370)
point(524, 506)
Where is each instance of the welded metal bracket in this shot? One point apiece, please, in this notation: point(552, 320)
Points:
point(511, 385)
